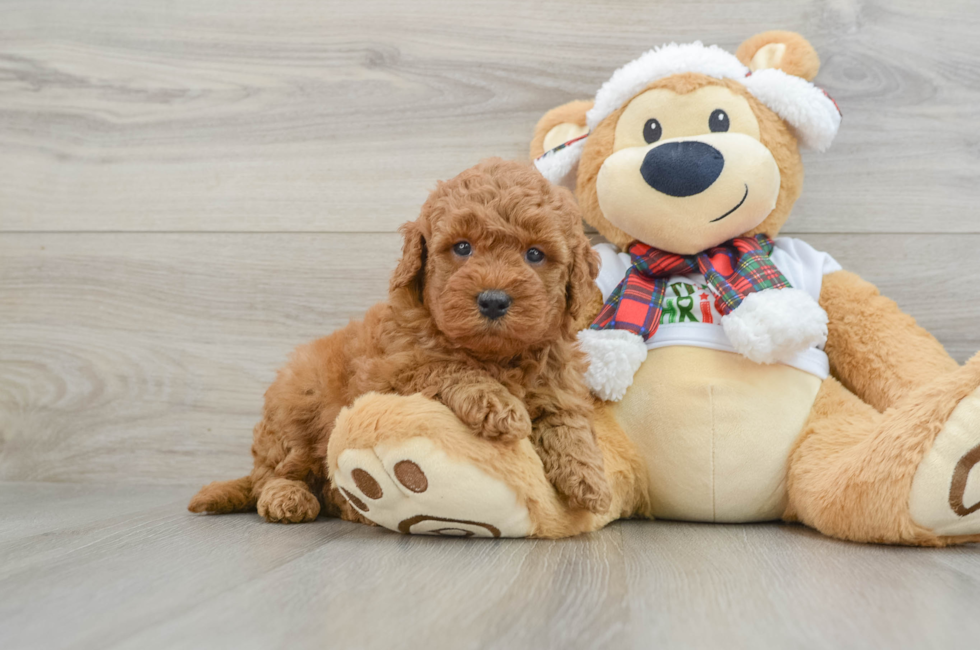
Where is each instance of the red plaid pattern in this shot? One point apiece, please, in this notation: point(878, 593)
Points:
point(733, 270)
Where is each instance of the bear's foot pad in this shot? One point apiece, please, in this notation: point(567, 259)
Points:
point(416, 488)
point(946, 490)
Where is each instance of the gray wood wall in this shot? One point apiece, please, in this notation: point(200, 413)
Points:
point(189, 189)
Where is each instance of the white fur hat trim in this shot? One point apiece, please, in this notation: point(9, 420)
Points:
point(811, 113)
point(614, 357)
point(658, 63)
point(808, 109)
point(775, 325)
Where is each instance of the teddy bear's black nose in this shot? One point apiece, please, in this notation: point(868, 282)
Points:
point(493, 303)
point(682, 168)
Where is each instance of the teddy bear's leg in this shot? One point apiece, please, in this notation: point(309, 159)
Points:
point(910, 475)
point(875, 349)
point(408, 464)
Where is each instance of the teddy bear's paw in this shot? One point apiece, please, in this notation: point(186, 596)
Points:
point(414, 487)
point(775, 325)
point(614, 357)
point(945, 495)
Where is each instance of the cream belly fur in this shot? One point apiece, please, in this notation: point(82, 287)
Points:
point(718, 430)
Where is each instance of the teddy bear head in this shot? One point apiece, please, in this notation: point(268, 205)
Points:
point(689, 146)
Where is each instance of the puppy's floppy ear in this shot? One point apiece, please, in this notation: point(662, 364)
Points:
point(786, 51)
point(559, 125)
point(409, 275)
point(581, 289)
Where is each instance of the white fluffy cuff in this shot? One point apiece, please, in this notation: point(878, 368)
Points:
point(614, 357)
point(775, 325)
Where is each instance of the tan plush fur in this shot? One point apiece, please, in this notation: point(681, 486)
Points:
point(624, 468)
point(515, 377)
point(799, 58)
point(571, 113)
point(876, 350)
point(893, 386)
point(851, 473)
point(388, 419)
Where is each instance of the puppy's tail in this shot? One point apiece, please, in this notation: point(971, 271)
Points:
point(222, 497)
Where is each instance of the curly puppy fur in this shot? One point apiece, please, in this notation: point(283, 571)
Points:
point(516, 376)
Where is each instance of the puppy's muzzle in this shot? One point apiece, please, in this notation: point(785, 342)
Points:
point(682, 168)
point(493, 303)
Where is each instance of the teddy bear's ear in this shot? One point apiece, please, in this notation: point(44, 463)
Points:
point(559, 125)
point(786, 51)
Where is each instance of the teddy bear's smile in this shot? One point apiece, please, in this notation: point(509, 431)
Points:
point(737, 206)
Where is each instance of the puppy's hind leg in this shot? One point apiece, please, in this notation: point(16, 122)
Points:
point(287, 501)
point(283, 493)
point(222, 497)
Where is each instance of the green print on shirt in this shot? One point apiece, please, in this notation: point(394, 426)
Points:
point(689, 303)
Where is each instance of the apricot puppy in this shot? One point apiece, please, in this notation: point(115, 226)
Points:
point(481, 315)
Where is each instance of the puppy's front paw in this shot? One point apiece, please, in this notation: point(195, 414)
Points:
point(508, 421)
point(585, 486)
point(498, 414)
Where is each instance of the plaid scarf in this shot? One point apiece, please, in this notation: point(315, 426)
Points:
point(733, 270)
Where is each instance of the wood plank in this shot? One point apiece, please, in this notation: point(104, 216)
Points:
point(369, 590)
point(162, 573)
point(126, 558)
point(125, 567)
point(778, 586)
point(160, 347)
point(143, 357)
point(245, 115)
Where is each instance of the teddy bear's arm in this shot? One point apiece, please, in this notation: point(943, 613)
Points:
point(876, 350)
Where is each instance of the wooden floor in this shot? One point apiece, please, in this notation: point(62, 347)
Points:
point(90, 566)
point(190, 189)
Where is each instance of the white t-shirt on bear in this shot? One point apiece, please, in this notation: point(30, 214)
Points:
point(689, 313)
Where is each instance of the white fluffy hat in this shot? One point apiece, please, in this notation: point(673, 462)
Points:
point(811, 113)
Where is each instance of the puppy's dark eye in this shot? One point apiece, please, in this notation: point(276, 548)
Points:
point(718, 121)
point(652, 131)
point(463, 248)
point(534, 255)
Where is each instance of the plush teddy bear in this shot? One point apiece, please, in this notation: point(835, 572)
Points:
point(747, 377)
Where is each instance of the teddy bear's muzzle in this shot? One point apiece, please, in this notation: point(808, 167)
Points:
point(682, 168)
point(688, 194)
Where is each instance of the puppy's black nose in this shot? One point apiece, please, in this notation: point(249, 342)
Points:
point(493, 304)
point(682, 168)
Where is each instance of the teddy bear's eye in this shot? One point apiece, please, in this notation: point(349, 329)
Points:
point(718, 121)
point(652, 131)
